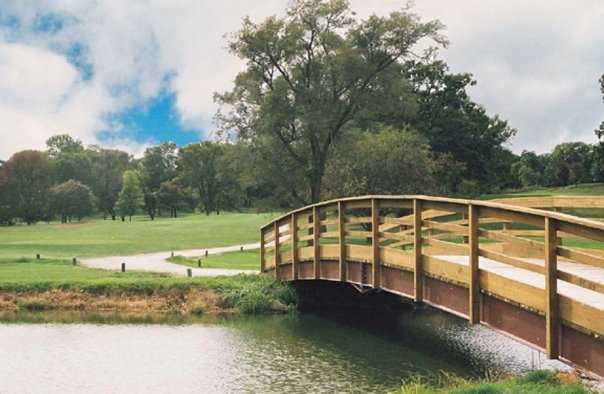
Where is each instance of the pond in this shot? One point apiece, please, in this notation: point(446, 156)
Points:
point(295, 353)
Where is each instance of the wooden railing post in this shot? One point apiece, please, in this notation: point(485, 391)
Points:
point(293, 231)
point(342, 239)
point(417, 249)
point(375, 242)
point(474, 289)
point(262, 252)
point(277, 253)
point(552, 323)
point(316, 225)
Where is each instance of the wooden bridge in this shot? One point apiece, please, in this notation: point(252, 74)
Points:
point(535, 274)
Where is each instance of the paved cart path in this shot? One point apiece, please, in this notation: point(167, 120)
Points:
point(156, 262)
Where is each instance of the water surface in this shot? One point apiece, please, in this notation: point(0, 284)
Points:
point(294, 354)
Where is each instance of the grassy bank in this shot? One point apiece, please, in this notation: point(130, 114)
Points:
point(58, 285)
point(536, 382)
point(98, 237)
point(246, 260)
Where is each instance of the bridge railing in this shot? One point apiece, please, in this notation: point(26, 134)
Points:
point(519, 255)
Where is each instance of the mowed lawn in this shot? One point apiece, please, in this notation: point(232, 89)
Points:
point(246, 260)
point(98, 237)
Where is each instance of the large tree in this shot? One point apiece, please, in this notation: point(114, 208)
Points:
point(71, 199)
point(130, 199)
point(454, 124)
point(26, 179)
point(311, 73)
point(157, 166)
point(386, 161)
point(69, 159)
point(206, 167)
point(108, 166)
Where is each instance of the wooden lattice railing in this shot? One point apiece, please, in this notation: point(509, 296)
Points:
point(543, 261)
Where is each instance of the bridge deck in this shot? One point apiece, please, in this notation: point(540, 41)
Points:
point(581, 294)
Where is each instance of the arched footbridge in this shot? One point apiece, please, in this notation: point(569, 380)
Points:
point(535, 274)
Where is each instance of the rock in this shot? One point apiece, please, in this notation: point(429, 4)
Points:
point(278, 306)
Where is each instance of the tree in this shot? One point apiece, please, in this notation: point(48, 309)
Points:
point(172, 195)
point(571, 163)
point(130, 199)
point(26, 178)
point(388, 161)
point(530, 169)
point(157, 166)
point(6, 212)
point(600, 130)
point(314, 71)
point(69, 159)
point(206, 168)
point(71, 199)
point(453, 124)
point(108, 166)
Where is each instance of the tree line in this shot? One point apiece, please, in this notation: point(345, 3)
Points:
point(328, 105)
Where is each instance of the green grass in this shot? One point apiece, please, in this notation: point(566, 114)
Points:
point(251, 294)
point(536, 382)
point(246, 260)
point(587, 189)
point(97, 237)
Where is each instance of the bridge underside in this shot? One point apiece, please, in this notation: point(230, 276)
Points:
point(526, 324)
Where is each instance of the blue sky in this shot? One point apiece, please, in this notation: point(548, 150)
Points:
point(129, 74)
point(155, 121)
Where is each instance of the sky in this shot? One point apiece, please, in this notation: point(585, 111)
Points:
point(129, 74)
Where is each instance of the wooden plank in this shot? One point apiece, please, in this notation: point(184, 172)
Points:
point(309, 237)
point(375, 241)
point(417, 247)
point(329, 234)
point(579, 230)
point(359, 234)
point(359, 253)
point(518, 217)
point(262, 252)
point(582, 315)
point(444, 269)
point(396, 257)
point(277, 253)
point(329, 252)
point(315, 242)
point(342, 239)
point(294, 241)
point(357, 204)
point(397, 236)
point(448, 206)
point(552, 324)
point(581, 256)
point(514, 262)
point(507, 237)
point(329, 222)
point(509, 289)
point(474, 289)
point(581, 281)
point(445, 247)
point(358, 219)
point(453, 228)
point(306, 253)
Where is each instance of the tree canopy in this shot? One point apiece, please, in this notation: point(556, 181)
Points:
point(312, 72)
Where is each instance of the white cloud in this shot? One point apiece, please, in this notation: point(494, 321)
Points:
point(536, 62)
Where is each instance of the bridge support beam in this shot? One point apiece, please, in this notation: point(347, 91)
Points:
point(342, 239)
point(474, 290)
point(277, 253)
point(293, 231)
point(375, 242)
point(316, 228)
point(418, 280)
point(552, 321)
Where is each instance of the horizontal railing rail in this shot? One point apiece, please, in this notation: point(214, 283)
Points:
point(547, 262)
